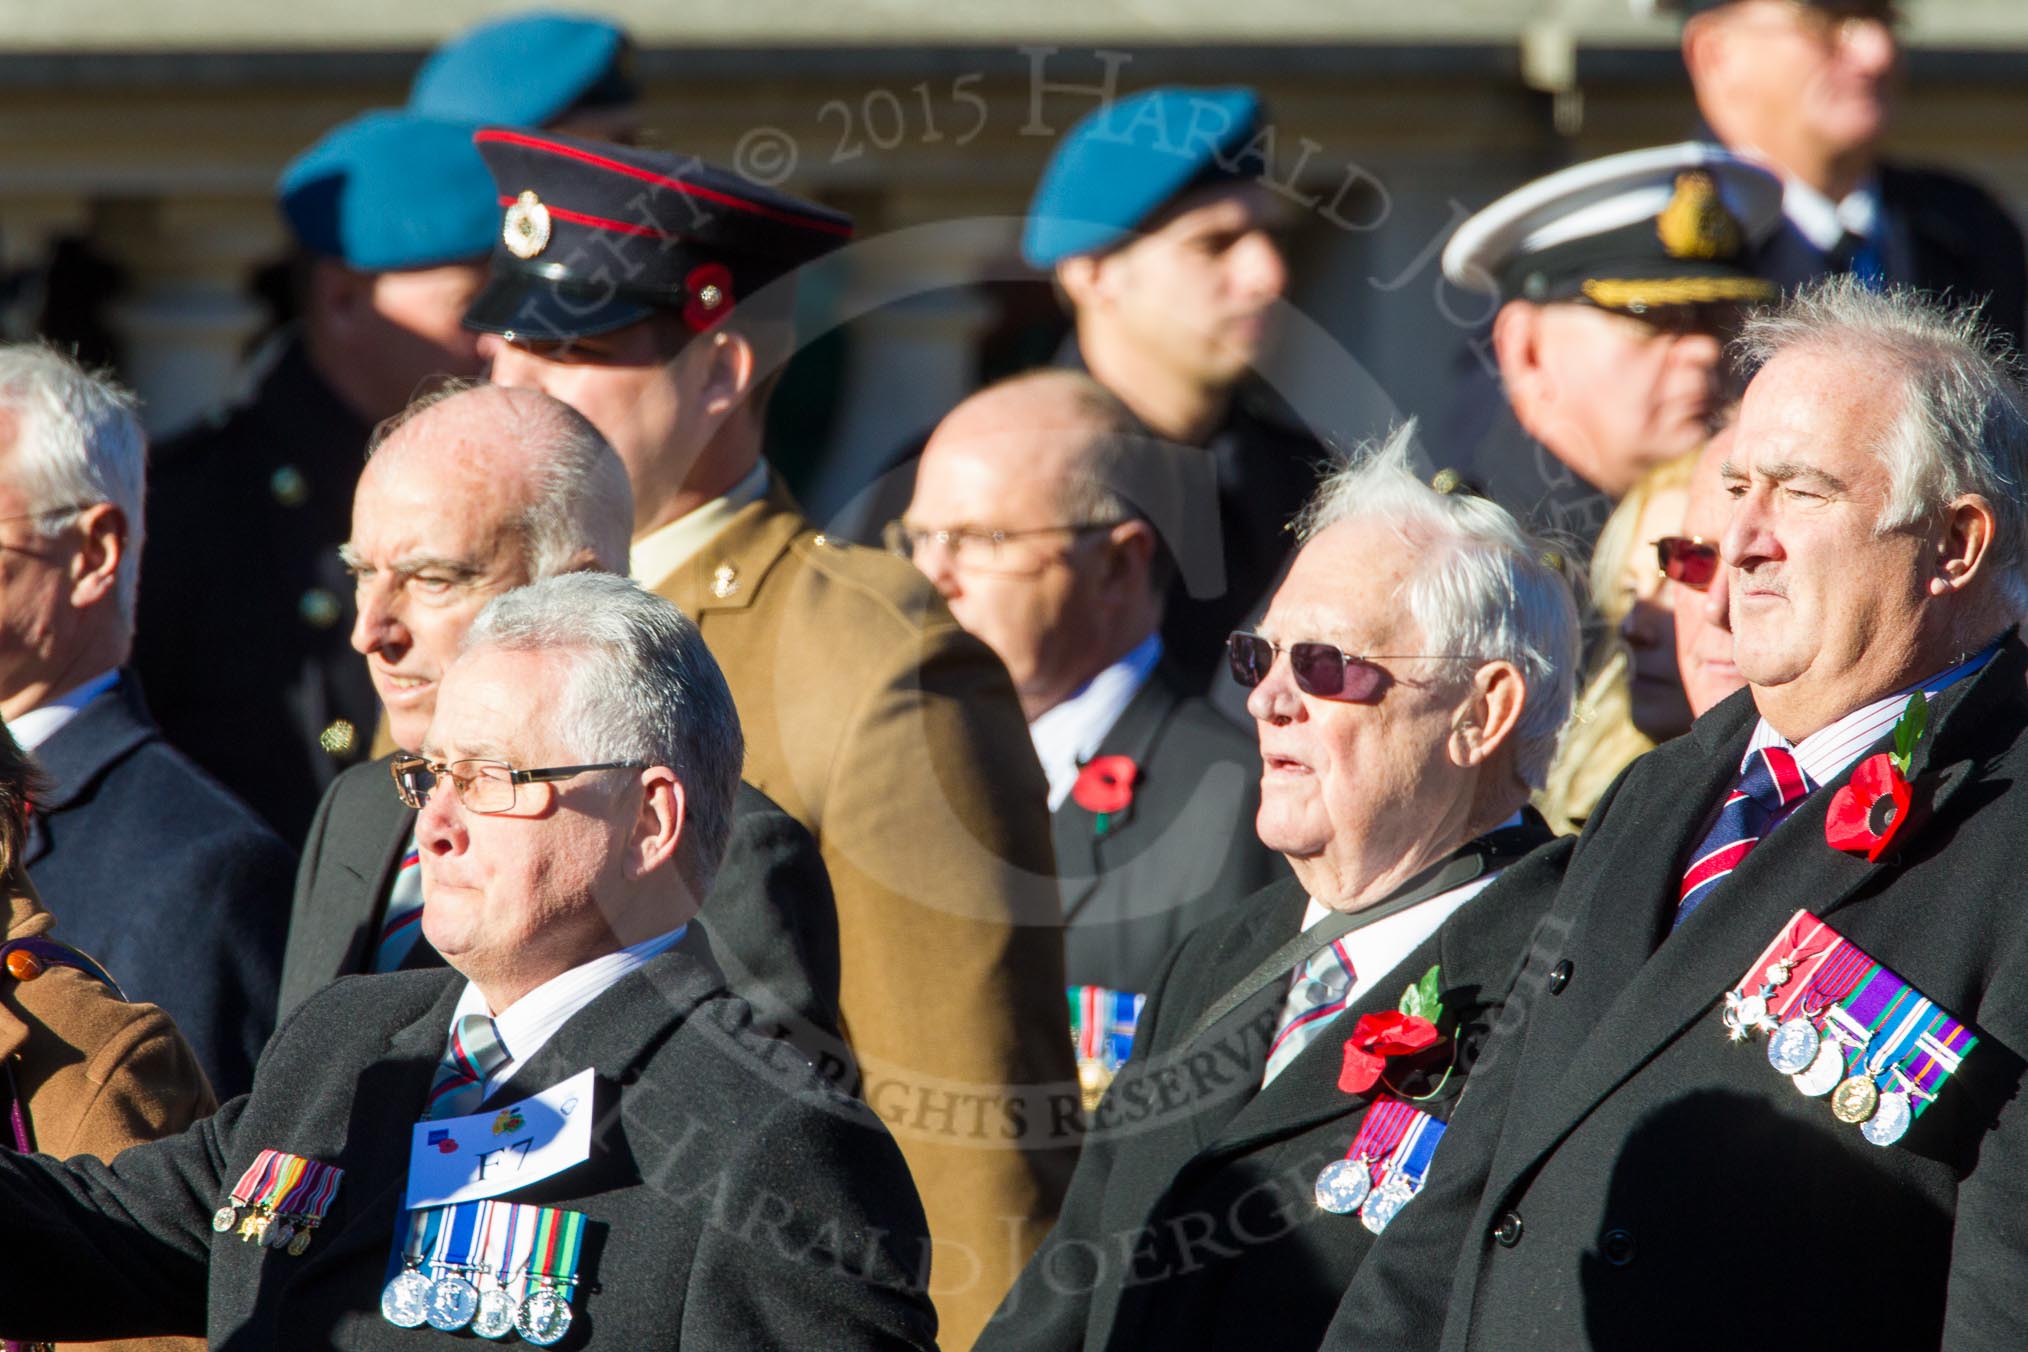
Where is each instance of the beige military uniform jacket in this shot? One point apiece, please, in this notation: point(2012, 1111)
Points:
point(96, 1074)
point(872, 718)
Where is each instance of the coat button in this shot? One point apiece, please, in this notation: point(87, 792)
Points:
point(1508, 1229)
point(1559, 977)
point(1617, 1247)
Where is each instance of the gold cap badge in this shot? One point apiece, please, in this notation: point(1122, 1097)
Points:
point(1696, 224)
point(525, 230)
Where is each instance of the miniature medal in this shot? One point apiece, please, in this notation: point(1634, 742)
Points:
point(1824, 1072)
point(1855, 1099)
point(301, 1243)
point(404, 1302)
point(1794, 1046)
point(495, 1316)
point(544, 1317)
point(1890, 1120)
point(451, 1302)
point(1343, 1185)
point(279, 1234)
point(223, 1219)
point(1382, 1206)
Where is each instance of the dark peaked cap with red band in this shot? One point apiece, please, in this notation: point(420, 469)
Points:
point(595, 237)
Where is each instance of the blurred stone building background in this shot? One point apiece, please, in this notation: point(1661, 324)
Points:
point(139, 145)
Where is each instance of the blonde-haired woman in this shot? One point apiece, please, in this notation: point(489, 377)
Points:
point(1633, 698)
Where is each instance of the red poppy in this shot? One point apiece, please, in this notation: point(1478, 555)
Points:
point(1866, 814)
point(1105, 784)
point(1375, 1038)
point(709, 287)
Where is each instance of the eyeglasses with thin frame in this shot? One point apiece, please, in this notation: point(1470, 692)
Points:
point(976, 550)
point(1688, 560)
point(485, 786)
point(1319, 668)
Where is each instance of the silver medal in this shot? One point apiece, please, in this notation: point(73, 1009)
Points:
point(404, 1302)
point(1890, 1120)
point(451, 1303)
point(1824, 1072)
point(1391, 1197)
point(1794, 1046)
point(495, 1315)
point(224, 1219)
point(544, 1317)
point(280, 1233)
point(1343, 1185)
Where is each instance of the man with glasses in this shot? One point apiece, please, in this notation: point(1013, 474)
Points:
point(537, 493)
point(654, 294)
point(1618, 282)
point(1028, 516)
point(1242, 1162)
point(147, 862)
point(1808, 87)
point(581, 1078)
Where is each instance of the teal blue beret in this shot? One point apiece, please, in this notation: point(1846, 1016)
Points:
point(524, 71)
point(390, 190)
point(1128, 160)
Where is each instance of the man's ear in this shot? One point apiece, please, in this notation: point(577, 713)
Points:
point(727, 374)
point(1130, 553)
point(659, 826)
point(1078, 275)
point(1965, 543)
point(102, 545)
point(1486, 719)
point(1517, 334)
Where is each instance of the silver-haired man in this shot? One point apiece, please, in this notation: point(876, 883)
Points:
point(149, 864)
point(1816, 890)
point(1408, 683)
point(587, 1082)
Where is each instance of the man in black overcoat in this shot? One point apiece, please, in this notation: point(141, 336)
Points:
point(469, 496)
point(731, 1198)
point(1395, 785)
point(1633, 1169)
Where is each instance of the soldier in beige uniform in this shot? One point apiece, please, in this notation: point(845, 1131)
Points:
point(650, 291)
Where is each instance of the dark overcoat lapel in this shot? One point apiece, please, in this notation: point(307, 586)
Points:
point(1139, 727)
point(100, 736)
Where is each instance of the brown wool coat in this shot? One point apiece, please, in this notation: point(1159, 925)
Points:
point(96, 1074)
point(877, 722)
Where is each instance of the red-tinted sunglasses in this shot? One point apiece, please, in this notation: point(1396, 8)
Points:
point(1687, 559)
point(1319, 668)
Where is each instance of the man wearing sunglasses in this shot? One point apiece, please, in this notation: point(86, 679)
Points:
point(575, 796)
point(1027, 517)
point(1618, 282)
point(1699, 591)
point(1637, 1113)
point(472, 493)
point(1403, 717)
point(1808, 87)
point(655, 294)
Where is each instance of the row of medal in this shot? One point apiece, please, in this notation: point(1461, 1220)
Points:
point(1840, 1024)
point(1102, 1022)
point(496, 1268)
point(279, 1201)
point(1399, 1139)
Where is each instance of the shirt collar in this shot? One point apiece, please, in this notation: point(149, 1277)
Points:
point(1069, 735)
point(1822, 221)
point(659, 553)
point(41, 723)
point(1829, 751)
point(525, 1026)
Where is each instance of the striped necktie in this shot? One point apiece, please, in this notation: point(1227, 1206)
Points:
point(403, 925)
point(1769, 788)
point(1318, 991)
point(470, 1058)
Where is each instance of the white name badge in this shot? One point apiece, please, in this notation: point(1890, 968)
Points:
point(462, 1159)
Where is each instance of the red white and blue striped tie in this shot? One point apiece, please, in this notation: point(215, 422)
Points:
point(1318, 991)
point(403, 925)
point(1769, 788)
point(472, 1055)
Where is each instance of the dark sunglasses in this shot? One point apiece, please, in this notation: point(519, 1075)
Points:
point(1319, 668)
point(1687, 559)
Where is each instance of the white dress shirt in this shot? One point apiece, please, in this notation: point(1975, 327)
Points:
point(1825, 753)
point(1376, 949)
point(40, 724)
point(663, 550)
point(531, 1021)
point(1069, 735)
point(1823, 222)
